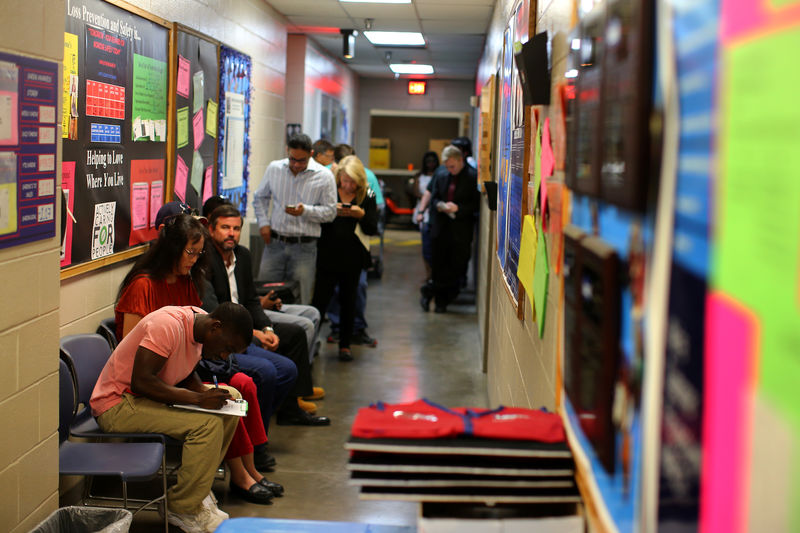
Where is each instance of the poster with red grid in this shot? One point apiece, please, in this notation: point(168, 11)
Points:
point(105, 100)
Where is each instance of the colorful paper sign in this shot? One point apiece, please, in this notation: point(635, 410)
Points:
point(197, 171)
point(183, 126)
point(181, 175)
point(207, 185)
point(184, 67)
point(212, 118)
point(198, 130)
point(541, 274)
point(527, 258)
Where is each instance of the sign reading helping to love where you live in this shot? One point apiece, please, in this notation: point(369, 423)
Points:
point(114, 129)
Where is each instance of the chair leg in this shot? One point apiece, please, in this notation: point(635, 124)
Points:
point(164, 488)
point(124, 494)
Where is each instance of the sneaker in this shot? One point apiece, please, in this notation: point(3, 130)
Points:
point(204, 521)
point(362, 338)
point(210, 502)
point(318, 394)
point(333, 337)
point(308, 407)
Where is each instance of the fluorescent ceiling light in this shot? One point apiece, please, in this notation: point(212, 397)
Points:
point(395, 38)
point(411, 68)
point(377, 1)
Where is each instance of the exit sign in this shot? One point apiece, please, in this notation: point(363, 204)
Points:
point(417, 87)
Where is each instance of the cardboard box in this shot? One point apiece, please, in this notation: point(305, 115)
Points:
point(380, 153)
point(437, 145)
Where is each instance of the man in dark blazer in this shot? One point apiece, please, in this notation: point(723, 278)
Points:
point(231, 279)
point(454, 200)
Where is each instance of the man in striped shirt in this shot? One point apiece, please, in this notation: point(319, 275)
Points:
point(295, 197)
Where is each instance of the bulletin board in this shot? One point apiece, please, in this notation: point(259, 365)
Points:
point(512, 181)
point(28, 103)
point(193, 160)
point(233, 172)
point(114, 136)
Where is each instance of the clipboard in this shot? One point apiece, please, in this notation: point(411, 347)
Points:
point(231, 407)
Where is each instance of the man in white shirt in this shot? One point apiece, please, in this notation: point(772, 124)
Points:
point(295, 197)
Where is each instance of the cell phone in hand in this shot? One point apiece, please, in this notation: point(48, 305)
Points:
point(290, 206)
point(348, 206)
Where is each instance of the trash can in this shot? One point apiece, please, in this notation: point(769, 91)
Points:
point(79, 519)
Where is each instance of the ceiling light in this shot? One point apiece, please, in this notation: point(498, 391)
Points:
point(349, 43)
point(376, 1)
point(411, 68)
point(395, 38)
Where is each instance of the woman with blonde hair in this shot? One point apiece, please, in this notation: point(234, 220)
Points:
point(343, 247)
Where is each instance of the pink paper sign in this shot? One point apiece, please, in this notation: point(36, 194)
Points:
point(198, 128)
point(68, 186)
point(731, 351)
point(140, 193)
point(156, 201)
point(181, 174)
point(548, 159)
point(184, 67)
point(207, 189)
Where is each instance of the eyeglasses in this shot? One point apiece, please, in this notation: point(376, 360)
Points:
point(299, 161)
point(192, 253)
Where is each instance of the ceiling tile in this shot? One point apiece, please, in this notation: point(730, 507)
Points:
point(457, 14)
point(451, 27)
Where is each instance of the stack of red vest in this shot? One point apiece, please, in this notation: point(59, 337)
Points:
point(423, 419)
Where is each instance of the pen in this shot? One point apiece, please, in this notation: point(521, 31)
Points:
point(216, 385)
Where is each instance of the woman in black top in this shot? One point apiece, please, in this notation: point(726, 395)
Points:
point(343, 248)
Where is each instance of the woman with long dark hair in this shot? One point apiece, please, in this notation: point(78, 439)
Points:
point(172, 272)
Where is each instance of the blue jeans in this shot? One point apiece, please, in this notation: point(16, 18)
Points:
point(360, 320)
point(291, 261)
point(273, 374)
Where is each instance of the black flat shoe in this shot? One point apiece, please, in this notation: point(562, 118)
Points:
point(301, 418)
point(257, 493)
point(264, 461)
point(345, 355)
point(425, 303)
point(275, 488)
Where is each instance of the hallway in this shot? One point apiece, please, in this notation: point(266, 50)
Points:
point(430, 355)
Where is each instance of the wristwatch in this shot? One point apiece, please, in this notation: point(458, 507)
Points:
point(268, 329)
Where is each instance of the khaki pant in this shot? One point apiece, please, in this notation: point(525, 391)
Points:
point(205, 440)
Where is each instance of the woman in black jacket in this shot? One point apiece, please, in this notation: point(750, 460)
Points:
point(343, 248)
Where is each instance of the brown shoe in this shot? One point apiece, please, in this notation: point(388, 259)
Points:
point(308, 407)
point(319, 393)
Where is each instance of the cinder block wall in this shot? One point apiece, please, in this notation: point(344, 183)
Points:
point(29, 306)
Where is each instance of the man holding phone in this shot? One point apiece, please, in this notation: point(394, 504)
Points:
point(295, 197)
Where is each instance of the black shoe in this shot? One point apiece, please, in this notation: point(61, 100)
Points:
point(362, 338)
point(263, 461)
point(257, 493)
point(333, 337)
point(275, 488)
point(301, 418)
point(345, 355)
point(425, 302)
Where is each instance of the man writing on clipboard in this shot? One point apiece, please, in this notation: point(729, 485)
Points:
point(152, 368)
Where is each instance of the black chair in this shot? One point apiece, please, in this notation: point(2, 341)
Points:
point(108, 329)
point(129, 461)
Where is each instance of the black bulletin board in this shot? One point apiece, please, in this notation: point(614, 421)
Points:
point(197, 56)
point(116, 79)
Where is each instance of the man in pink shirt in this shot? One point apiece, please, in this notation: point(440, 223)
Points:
point(153, 367)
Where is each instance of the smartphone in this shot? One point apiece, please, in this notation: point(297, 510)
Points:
point(348, 206)
point(290, 206)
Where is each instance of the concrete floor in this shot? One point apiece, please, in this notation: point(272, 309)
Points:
point(436, 356)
